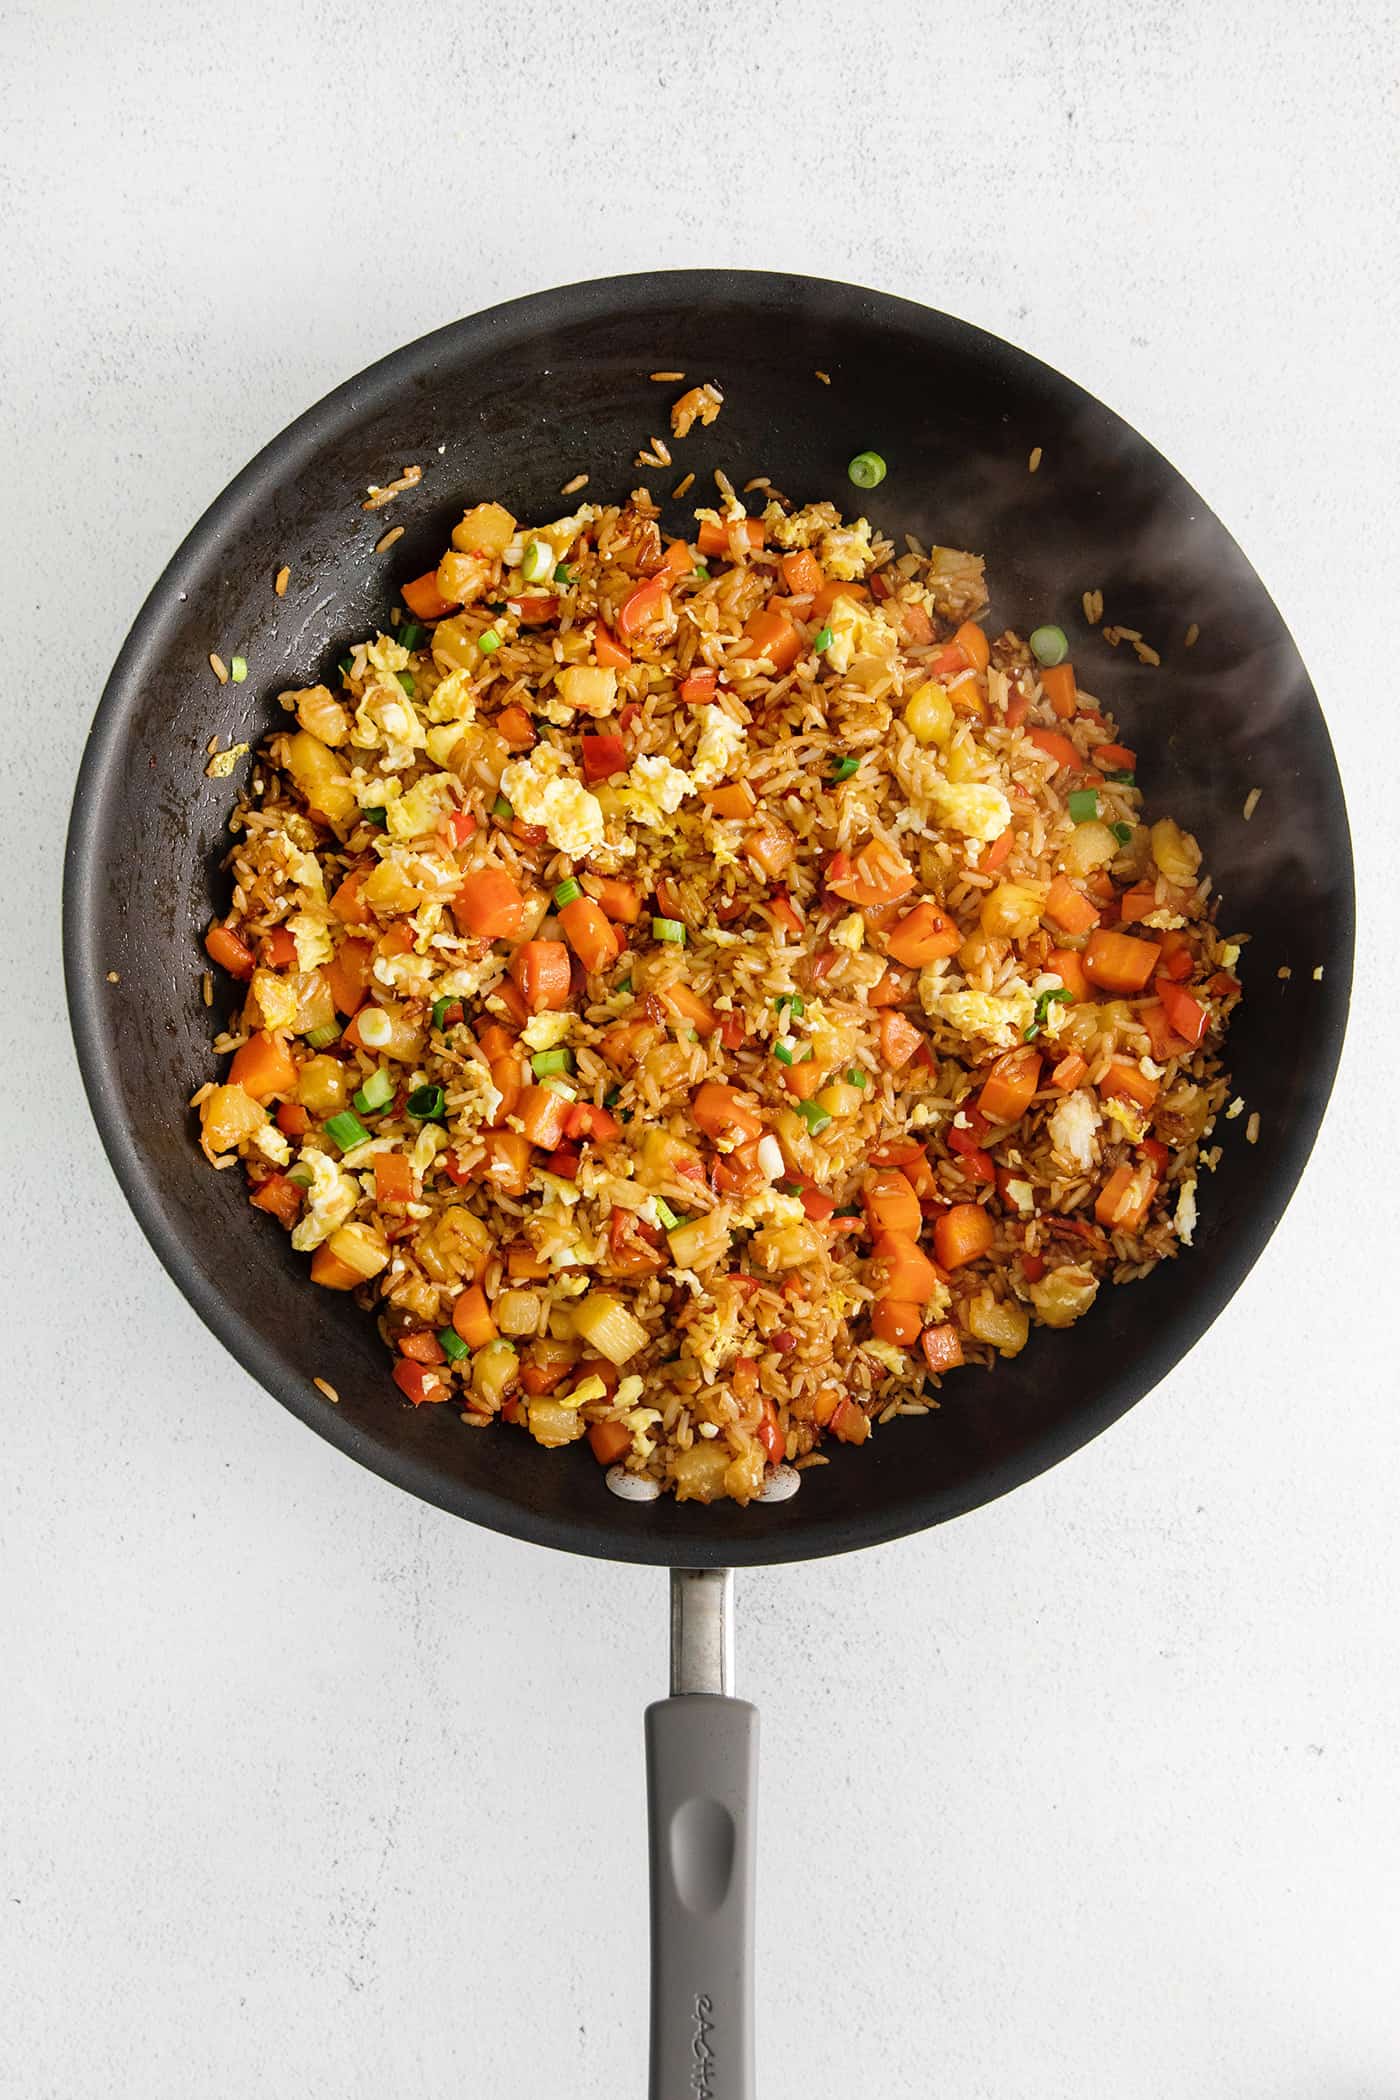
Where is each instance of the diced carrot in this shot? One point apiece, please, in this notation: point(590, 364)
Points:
point(507, 1161)
point(396, 939)
point(817, 1204)
point(602, 756)
point(634, 1247)
point(1056, 747)
point(489, 905)
point(608, 1441)
point(1065, 964)
point(458, 826)
point(1010, 1086)
point(279, 950)
point(772, 846)
point(974, 645)
point(493, 1041)
point(786, 913)
point(997, 852)
point(1178, 959)
point(922, 936)
point(514, 724)
point(690, 1009)
point(889, 1201)
point(899, 1268)
point(829, 593)
point(910, 1157)
point(977, 1165)
point(423, 598)
point(802, 573)
point(896, 1320)
point(893, 989)
point(292, 1119)
point(1136, 903)
point(607, 650)
point(943, 1349)
point(347, 973)
point(962, 1234)
point(1058, 685)
point(564, 1163)
point(1069, 1073)
point(507, 1077)
point(915, 625)
point(770, 1434)
point(849, 1422)
point(722, 1112)
point(348, 903)
point(1130, 1082)
point(1119, 963)
point(422, 1347)
point(616, 899)
point(965, 695)
point(540, 970)
point(263, 1066)
point(535, 612)
point(1156, 1155)
point(418, 1383)
point(878, 874)
point(542, 1114)
point(733, 798)
point(899, 1039)
point(772, 635)
point(698, 685)
point(714, 539)
point(803, 1081)
point(393, 1178)
point(732, 1032)
point(280, 1198)
point(586, 928)
point(586, 1120)
point(331, 1272)
point(1125, 1198)
point(1114, 758)
point(228, 951)
point(471, 1318)
point(1184, 1012)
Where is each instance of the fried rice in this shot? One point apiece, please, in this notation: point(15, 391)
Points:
point(701, 994)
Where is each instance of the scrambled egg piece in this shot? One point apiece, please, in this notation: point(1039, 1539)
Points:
point(374, 790)
point(971, 807)
point(1186, 1211)
point(857, 630)
point(721, 741)
point(1129, 1116)
point(541, 792)
point(311, 932)
point(770, 1207)
point(385, 721)
point(272, 1145)
point(845, 550)
point(304, 868)
point(544, 1031)
point(474, 1101)
point(426, 1147)
point(1000, 1021)
point(850, 932)
point(453, 700)
point(223, 762)
point(421, 809)
point(655, 790)
point(330, 1199)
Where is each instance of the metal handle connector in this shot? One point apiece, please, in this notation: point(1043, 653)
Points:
point(702, 1631)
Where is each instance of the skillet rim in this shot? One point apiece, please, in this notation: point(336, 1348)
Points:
point(606, 1536)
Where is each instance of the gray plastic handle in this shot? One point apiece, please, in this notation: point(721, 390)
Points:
point(702, 1778)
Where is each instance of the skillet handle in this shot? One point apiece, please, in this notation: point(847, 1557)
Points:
point(702, 1772)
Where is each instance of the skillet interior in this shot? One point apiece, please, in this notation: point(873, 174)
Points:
point(521, 398)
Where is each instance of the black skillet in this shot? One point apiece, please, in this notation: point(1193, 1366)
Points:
point(511, 404)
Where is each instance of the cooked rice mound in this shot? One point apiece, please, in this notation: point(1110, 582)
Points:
point(701, 995)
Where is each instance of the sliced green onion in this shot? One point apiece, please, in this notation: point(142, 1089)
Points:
point(845, 769)
point(426, 1104)
point(560, 1087)
point(408, 682)
point(410, 634)
point(783, 1053)
point(376, 1093)
point(502, 809)
point(1049, 646)
point(1122, 779)
point(546, 1061)
point(537, 561)
point(667, 1216)
point(668, 930)
point(700, 573)
point(793, 1001)
point(625, 984)
point(815, 1117)
point(347, 1130)
point(489, 642)
point(822, 640)
point(855, 1076)
point(452, 1345)
point(322, 1038)
point(238, 669)
point(378, 817)
point(1123, 833)
point(561, 574)
point(300, 1176)
point(1042, 1006)
point(1084, 805)
point(567, 891)
point(613, 1095)
point(867, 470)
point(441, 1009)
point(345, 666)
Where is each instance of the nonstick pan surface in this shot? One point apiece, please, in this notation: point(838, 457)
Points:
point(510, 404)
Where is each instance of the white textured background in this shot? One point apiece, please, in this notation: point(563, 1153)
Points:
point(312, 1791)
